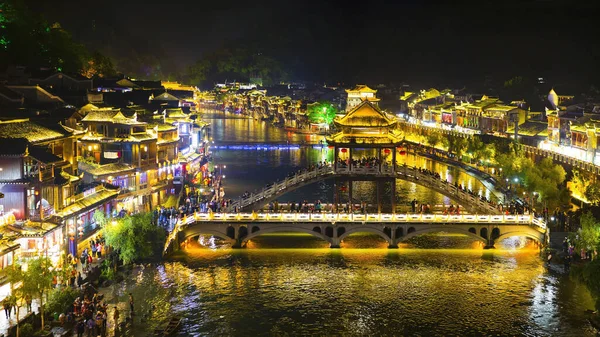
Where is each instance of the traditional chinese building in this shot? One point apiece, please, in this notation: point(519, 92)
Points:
point(360, 93)
point(365, 150)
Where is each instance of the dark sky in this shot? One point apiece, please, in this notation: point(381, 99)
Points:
point(366, 41)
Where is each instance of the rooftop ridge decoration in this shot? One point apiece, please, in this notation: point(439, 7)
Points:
point(361, 88)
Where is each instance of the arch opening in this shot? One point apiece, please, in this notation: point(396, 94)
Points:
point(230, 232)
point(399, 232)
point(242, 232)
point(255, 229)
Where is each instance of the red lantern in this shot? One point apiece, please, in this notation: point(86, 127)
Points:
point(331, 146)
point(386, 151)
point(344, 150)
point(402, 152)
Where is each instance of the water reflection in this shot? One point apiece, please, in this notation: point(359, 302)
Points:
point(351, 291)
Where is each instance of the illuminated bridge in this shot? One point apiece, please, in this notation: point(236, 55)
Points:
point(256, 201)
point(238, 228)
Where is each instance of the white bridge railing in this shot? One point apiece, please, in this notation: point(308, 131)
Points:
point(407, 173)
point(364, 218)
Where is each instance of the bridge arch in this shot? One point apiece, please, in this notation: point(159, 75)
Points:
point(276, 190)
point(191, 232)
point(438, 229)
point(366, 230)
point(537, 236)
point(292, 229)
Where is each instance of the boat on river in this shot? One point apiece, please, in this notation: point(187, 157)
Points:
point(170, 329)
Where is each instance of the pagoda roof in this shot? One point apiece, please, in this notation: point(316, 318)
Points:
point(165, 96)
point(361, 88)
point(365, 114)
point(112, 116)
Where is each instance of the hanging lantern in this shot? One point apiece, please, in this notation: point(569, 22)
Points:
point(403, 152)
point(386, 151)
point(331, 146)
point(344, 150)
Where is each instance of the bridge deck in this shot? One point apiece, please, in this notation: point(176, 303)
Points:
point(468, 201)
point(217, 223)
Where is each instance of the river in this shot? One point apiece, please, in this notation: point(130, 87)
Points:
point(290, 284)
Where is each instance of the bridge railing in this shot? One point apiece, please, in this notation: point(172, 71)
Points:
point(408, 172)
point(363, 218)
point(272, 189)
point(413, 174)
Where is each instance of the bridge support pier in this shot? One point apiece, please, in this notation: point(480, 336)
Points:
point(335, 242)
point(489, 244)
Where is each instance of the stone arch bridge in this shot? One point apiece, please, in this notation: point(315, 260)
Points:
point(238, 228)
point(256, 201)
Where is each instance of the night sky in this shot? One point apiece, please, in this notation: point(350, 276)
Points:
point(411, 41)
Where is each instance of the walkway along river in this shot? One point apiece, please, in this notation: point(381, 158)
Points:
point(310, 289)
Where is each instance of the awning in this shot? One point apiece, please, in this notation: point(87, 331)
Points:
point(87, 203)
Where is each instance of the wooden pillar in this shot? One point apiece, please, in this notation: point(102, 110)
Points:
point(350, 192)
point(394, 160)
point(394, 195)
point(349, 159)
point(378, 196)
point(335, 158)
point(379, 157)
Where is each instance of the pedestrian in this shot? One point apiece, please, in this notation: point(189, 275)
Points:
point(80, 328)
point(131, 302)
point(79, 279)
point(6, 306)
point(116, 317)
point(91, 326)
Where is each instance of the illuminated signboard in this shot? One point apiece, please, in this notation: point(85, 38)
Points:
point(112, 154)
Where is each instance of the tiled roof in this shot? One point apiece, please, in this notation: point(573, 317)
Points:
point(23, 128)
point(106, 169)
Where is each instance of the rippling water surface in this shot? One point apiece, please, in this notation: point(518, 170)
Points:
point(266, 290)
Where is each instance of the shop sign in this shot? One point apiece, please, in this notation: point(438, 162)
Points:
point(89, 192)
point(111, 154)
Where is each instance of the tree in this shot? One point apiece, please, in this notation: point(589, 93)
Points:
point(588, 235)
point(592, 192)
point(98, 65)
point(321, 112)
point(100, 218)
point(135, 237)
point(433, 139)
point(38, 280)
point(456, 145)
point(16, 275)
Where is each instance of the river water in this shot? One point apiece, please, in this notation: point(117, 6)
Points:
point(289, 284)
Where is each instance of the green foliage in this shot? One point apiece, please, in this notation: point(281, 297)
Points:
point(98, 65)
point(433, 139)
point(592, 192)
point(456, 145)
point(135, 237)
point(100, 218)
point(37, 280)
point(26, 330)
point(588, 235)
point(26, 38)
point(478, 150)
point(321, 112)
point(589, 274)
point(60, 299)
point(238, 62)
point(107, 272)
